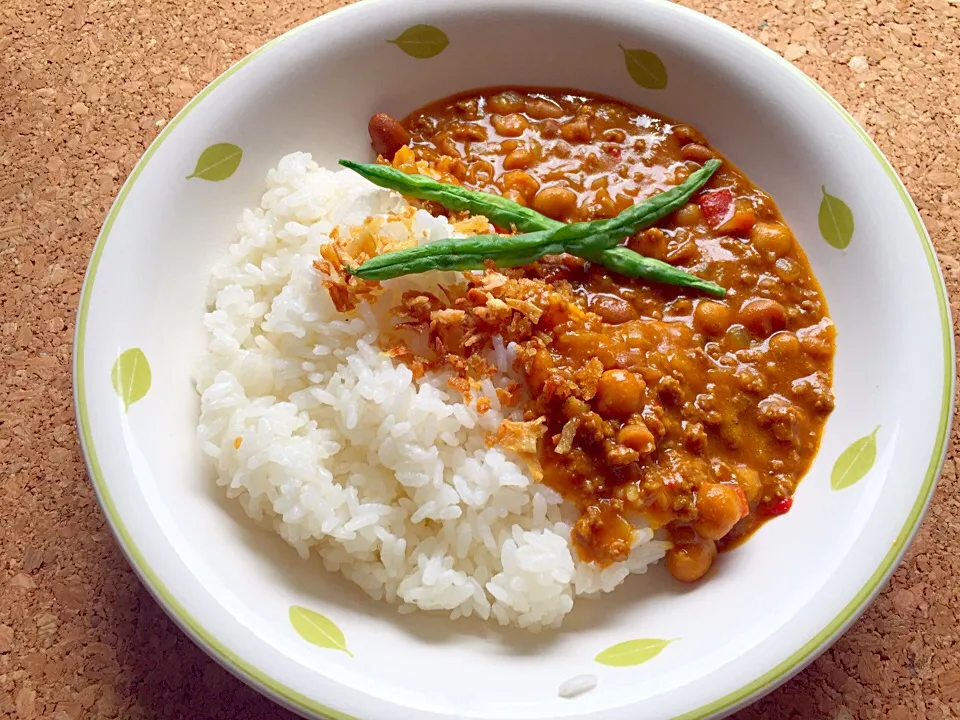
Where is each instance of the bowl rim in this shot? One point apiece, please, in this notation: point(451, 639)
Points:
point(722, 706)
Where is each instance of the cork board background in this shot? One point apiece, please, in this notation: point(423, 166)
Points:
point(86, 85)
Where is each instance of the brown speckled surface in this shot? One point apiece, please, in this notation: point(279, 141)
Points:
point(85, 86)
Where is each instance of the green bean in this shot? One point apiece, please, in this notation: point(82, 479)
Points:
point(625, 261)
point(596, 241)
point(506, 213)
point(471, 253)
point(474, 252)
point(500, 211)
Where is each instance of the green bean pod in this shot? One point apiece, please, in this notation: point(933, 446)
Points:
point(500, 211)
point(626, 262)
point(506, 213)
point(597, 241)
point(468, 253)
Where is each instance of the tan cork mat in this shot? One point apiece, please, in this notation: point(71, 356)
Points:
point(86, 85)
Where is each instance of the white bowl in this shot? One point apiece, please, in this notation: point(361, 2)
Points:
point(773, 605)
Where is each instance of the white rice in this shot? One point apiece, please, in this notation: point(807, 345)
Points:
point(335, 446)
point(577, 686)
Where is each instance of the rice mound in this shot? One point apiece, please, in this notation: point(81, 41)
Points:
point(335, 446)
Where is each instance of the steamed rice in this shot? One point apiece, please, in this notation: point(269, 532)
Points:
point(336, 447)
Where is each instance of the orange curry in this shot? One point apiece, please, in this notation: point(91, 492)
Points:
point(698, 415)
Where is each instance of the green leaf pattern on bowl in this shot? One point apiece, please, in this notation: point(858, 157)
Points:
point(632, 652)
point(318, 629)
point(130, 376)
point(217, 162)
point(855, 462)
point(835, 220)
point(422, 41)
point(646, 68)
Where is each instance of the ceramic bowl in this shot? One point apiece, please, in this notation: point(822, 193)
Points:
point(772, 605)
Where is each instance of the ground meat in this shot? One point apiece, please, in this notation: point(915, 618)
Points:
point(695, 437)
point(751, 379)
point(818, 340)
point(670, 390)
point(781, 416)
point(619, 454)
point(603, 531)
point(814, 389)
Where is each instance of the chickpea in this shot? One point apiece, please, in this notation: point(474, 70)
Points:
point(689, 214)
point(542, 108)
point(615, 135)
point(763, 317)
point(539, 369)
point(690, 561)
point(696, 152)
point(651, 242)
point(611, 309)
point(720, 507)
point(784, 345)
point(519, 159)
point(508, 146)
point(749, 481)
point(507, 102)
point(712, 318)
point(774, 238)
point(555, 202)
point(637, 437)
point(522, 182)
point(512, 125)
point(620, 393)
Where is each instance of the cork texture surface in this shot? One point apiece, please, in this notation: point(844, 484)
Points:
point(86, 85)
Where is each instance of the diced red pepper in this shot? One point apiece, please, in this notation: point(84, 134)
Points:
point(612, 151)
point(742, 497)
point(716, 206)
point(778, 507)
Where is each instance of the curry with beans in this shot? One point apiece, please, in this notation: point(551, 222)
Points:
point(698, 415)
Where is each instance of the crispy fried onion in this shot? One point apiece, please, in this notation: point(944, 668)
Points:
point(459, 327)
point(521, 437)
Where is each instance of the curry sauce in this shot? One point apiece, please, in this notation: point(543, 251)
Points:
point(697, 415)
